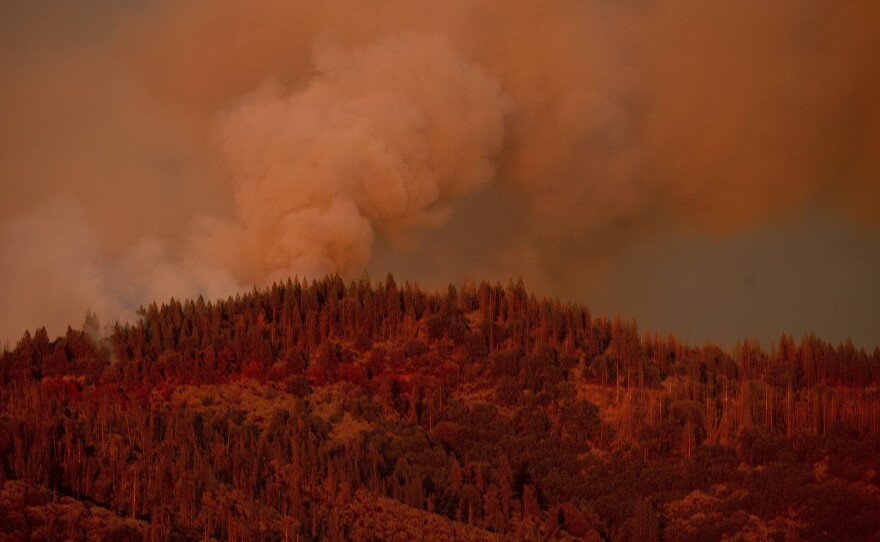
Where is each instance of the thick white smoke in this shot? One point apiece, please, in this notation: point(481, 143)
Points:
point(55, 267)
point(52, 262)
point(216, 145)
point(369, 143)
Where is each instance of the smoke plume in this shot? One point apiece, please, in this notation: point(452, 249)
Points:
point(213, 146)
point(371, 142)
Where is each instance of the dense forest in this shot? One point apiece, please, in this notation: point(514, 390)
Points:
point(374, 411)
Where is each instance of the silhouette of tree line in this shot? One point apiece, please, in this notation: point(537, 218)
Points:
point(497, 412)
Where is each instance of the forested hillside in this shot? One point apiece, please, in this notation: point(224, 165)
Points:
point(375, 411)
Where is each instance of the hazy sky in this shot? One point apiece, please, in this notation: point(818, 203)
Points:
point(709, 168)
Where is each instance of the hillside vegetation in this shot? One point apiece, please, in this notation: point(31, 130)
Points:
point(373, 411)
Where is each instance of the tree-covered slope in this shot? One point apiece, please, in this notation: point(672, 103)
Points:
point(373, 411)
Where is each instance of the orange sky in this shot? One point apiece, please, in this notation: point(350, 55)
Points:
point(710, 169)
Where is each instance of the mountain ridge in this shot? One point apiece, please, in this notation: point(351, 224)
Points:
point(275, 413)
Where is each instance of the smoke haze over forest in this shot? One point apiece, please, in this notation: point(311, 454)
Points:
point(712, 169)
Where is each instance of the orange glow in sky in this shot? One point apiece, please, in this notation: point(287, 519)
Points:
point(712, 170)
